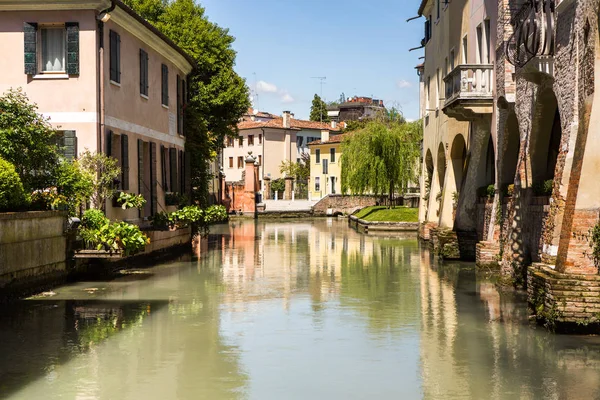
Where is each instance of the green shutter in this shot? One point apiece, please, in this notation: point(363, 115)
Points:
point(165, 85)
point(140, 151)
point(70, 145)
point(124, 162)
point(115, 56)
point(181, 172)
point(72, 48)
point(187, 173)
point(30, 50)
point(153, 191)
point(109, 141)
point(173, 167)
point(143, 72)
point(179, 105)
point(163, 168)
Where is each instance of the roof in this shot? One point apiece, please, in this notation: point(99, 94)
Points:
point(422, 7)
point(154, 30)
point(295, 124)
point(332, 139)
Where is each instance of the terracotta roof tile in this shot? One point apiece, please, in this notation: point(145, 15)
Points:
point(296, 124)
point(332, 139)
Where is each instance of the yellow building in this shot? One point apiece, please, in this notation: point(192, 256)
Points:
point(325, 166)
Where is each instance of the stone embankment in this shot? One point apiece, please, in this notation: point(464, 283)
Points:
point(383, 226)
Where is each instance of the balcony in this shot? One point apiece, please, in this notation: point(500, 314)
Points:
point(469, 91)
point(531, 46)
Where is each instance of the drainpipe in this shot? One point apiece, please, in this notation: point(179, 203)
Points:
point(102, 17)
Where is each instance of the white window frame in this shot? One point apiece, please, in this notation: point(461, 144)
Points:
point(40, 49)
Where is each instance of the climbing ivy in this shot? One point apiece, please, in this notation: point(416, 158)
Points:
point(595, 244)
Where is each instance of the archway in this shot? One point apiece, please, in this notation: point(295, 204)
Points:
point(490, 163)
point(458, 155)
point(428, 171)
point(545, 140)
point(441, 166)
point(510, 156)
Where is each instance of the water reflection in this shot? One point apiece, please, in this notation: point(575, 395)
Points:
point(301, 309)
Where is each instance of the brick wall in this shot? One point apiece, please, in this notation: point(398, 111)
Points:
point(343, 204)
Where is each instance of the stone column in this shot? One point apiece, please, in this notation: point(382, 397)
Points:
point(249, 202)
point(267, 191)
point(222, 187)
point(287, 195)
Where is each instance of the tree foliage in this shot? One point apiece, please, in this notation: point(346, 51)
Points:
point(102, 170)
point(26, 140)
point(218, 96)
point(381, 158)
point(318, 110)
point(298, 170)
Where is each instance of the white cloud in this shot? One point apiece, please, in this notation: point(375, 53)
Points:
point(403, 84)
point(287, 98)
point(265, 87)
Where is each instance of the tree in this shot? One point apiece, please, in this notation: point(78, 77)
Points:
point(381, 158)
point(27, 140)
point(102, 171)
point(318, 110)
point(298, 170)
point(218, 96)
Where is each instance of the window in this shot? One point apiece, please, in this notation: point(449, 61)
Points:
point(317, 184)
point(299, 141)
point(115, 57)
point(179, 105)
point(165, 85)
point(260, 138)
point(427, 94)
point(259, 160)
point(66, 141)
point(240, 162)
point(488, 45)
point(437, 89)
point(250, 140)
point(464, 50)
point(230, 162)
point(451, 59)
point(428, 29)
point(332, 154)
point(318, 155)
point(143, 73)
point(124, 162)
point(241, 141)
point(325, 167)
point(53, 49)
point(438, 9)
point(173, 169)
point(479, 38)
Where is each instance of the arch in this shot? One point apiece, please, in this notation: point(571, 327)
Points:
point(544, 144)
point(490, 163)
point(458, 155)
point(429, 171)
point(512, 144)
point(441, 165)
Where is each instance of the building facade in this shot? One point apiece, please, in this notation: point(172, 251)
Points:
point(109, 82)
point(325, 166)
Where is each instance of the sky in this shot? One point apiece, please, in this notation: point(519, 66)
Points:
point(360, 46)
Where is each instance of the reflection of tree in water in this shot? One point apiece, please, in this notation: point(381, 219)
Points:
point(383, 284)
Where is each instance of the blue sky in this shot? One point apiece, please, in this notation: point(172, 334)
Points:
point(360, 46)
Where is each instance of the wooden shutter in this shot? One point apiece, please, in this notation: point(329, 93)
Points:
point(72, 48)
point(187, 173)
point(173, 168)
point(163, 168)
point(153, 183)
point(70, 145)
point(109, 140)
point(30, 49)
point(179, 121)
point(143, 72)
point(181, 171)
point(140, 151)
point(115, 57)
point(124, 162)
point(165, 85)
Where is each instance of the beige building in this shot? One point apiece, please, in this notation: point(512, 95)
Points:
point(109, 82)
point(272, 140)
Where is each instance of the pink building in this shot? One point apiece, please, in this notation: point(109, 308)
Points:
point(109, 82)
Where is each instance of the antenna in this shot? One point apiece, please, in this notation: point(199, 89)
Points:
point(322, 79)
point(256, 92)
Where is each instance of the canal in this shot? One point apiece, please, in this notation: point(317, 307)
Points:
point(291, 310)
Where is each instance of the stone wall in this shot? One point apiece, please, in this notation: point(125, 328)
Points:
point(338, 203)
point(33, 248)
point(560, 298)
point(161, 240)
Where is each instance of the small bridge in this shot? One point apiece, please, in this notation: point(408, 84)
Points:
point(337, 204)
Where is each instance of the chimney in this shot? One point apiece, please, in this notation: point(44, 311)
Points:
point(324, 136)
point(333, 124)
point(287, 116)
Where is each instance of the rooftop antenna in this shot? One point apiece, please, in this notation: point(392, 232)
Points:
point(256, 92)
point(322, 79)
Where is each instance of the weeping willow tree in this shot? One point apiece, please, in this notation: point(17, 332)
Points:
point(381, 158)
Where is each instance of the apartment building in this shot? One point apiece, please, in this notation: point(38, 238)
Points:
point(109, 82)
point(325, 166)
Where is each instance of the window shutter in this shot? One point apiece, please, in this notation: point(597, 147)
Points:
point(109, 140)
point(179, 121)
point(30, 50)
point(163, 167)
point(72, 48)
point(173, 165)
point(70, 145)
point(118, 58)
point(165, 85)
point(181, 172)
point(140, 151)
point(153, 194)
point(124, 162)
point(113, 55)
point(142, 71)
point(187, 173)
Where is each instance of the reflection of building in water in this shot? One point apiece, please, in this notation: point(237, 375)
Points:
point(461, 357)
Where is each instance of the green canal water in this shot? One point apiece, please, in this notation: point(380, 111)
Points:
point(291, 310)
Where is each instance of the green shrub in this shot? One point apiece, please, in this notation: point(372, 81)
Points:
point(130, 200)
point(214, 214)
point(117, 236)
point(48, 199)
point(487, 191)
point(93, 219)
point(161, 220)
point(72, 183)
point(12, 194)
point(543, 188)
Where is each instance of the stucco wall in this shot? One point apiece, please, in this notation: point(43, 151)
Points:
point(316, 170)
point(32, 247)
